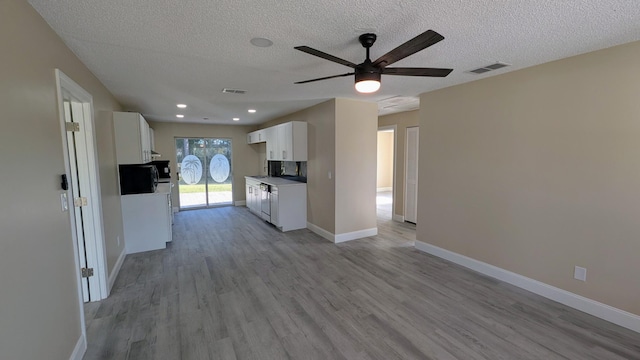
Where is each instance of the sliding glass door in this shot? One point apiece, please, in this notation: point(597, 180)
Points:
point(205, 174)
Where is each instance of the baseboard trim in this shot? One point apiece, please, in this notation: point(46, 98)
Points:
point(320, 231)
point(355, 235)
point(80, 349)
point(116, 269)
point(240, 203)
point(338, 238)
point(399, 218)
point(592, 307)
point(383, 189)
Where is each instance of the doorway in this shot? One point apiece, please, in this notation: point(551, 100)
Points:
point(411, 177)
point(386, 172)
point(80, 195)
point(205, 175)
point(82, 199)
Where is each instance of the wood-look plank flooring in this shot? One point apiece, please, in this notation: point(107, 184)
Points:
point(230, 286)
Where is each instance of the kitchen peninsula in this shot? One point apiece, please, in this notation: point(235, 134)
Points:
point(277, 200)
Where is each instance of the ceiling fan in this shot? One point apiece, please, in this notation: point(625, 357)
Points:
point(368, 73)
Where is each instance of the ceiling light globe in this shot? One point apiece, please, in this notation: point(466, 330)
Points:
point(367, 86)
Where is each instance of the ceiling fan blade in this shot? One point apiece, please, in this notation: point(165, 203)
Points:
point(323, 78)
point(412, 46)
point(325, 56)
point(417, 71)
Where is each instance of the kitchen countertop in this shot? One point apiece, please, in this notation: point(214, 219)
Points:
point(275, 181)
point(164, 188)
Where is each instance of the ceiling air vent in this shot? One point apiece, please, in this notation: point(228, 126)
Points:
point(488, 68)
point(234, 91)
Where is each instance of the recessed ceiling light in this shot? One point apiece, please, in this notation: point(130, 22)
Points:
point(261, 42)
point(252, 111)
point(180, 116)
point(236, 119)
point(182, 106)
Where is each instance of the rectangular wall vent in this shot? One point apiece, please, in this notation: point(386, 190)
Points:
point(234, 91)
point(488, 68)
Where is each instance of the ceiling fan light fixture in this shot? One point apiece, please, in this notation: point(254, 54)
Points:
point(367, 86)
point(367, 82)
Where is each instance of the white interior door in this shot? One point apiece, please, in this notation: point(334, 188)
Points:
point(74, 188)
point(85, 208)
point(74, 112)
point(411, 178)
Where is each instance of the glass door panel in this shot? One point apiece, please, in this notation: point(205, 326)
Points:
point(204, 165)
point(219, 171)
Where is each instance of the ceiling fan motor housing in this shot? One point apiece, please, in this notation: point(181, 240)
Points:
point(367, 71)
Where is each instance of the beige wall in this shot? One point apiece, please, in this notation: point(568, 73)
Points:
point(40, 310)
point(245, 158)
point(109, 183)
point(321, 148)
point(538, 170)
point(402, 121)
point(384, 177)
point(341, 140)
point(355, 174)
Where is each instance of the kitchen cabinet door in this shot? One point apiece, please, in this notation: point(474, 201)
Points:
point(248, 196)
point(271, 134)
point(256, 137)
point(275, 211)
point(132, 138)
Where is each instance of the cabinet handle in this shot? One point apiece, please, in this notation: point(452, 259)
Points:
point(271, 154)
point(284, 154)
point(259, 136)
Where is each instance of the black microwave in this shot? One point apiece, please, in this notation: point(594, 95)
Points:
point(138, 179)
point(164, 170)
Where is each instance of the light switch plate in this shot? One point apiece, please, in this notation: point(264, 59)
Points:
point(580, 273)
point(63, 201)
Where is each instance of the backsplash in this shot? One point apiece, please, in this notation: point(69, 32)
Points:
point(296, 170)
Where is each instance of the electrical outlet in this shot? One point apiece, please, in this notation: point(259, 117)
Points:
point(580, 273)
point(329, 174)
point(118, 240)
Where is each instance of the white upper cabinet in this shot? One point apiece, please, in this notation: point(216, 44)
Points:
point(133, 145)
point(257, 136)
point(152, 139)
point(287, 142)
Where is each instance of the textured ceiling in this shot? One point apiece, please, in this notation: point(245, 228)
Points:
point(153, 54)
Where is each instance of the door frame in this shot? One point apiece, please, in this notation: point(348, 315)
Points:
point(406, 170)
point(94, 234)
point(231, 174)
point(394, 183)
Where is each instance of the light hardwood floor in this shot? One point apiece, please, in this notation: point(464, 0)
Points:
point(232, 287)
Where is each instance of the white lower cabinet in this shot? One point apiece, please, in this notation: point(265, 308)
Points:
point(288, 201)
point(275, 214)
point(252, 189)
point(147, 219)
point(289, 206)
